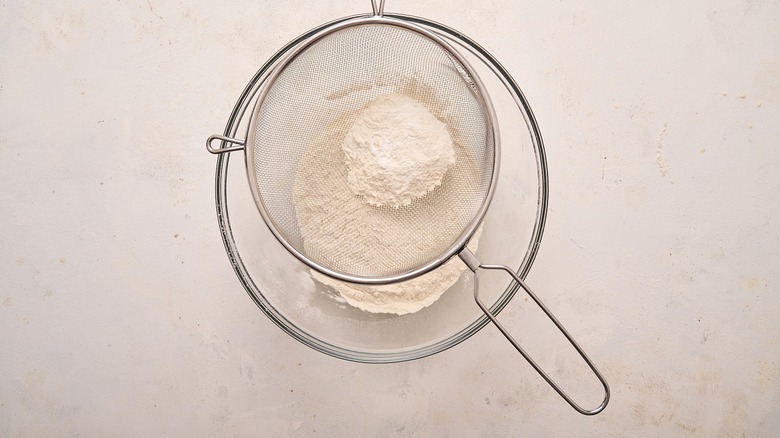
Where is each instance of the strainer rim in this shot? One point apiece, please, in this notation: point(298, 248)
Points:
point(485, 102)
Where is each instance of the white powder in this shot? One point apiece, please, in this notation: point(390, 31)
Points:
point(405, 297)
point(339, 220)
point(396, 151)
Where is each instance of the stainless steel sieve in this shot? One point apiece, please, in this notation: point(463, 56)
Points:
point(313, 94)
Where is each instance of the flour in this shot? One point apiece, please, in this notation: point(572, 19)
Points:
point(396, 151)
point(354, 234)
point(405, 297)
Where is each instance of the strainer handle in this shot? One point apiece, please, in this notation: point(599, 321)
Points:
point(240, 144)
point(474, 264)
point(378, 10)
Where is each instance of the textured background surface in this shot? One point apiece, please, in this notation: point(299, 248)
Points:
point(120, 315)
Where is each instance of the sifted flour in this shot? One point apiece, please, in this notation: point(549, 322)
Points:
point(405, 297)
point(396, 151)
point(336, 217)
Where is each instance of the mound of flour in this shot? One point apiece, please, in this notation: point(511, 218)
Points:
point(396, 151)
point(338, 187)
point(405, 297)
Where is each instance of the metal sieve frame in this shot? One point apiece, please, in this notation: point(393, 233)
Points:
point(249, 147)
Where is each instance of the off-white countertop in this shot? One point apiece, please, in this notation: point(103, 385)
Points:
point(120, 314)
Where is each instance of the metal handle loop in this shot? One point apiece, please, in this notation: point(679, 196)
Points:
point(379, 10)
point(224, 139)
point(472, 262)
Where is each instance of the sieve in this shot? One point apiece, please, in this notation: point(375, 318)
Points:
point(316, 88)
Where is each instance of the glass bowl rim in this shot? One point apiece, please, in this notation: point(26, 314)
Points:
point(396, 355)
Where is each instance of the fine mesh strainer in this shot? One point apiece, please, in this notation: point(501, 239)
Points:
point(301, 115)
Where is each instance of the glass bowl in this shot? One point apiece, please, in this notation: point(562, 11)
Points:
point(282, 286)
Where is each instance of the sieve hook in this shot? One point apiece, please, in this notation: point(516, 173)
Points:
point(379, 10)
point(474, 264)
point(224, 139)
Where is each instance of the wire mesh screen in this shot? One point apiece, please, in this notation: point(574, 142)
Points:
point(298, 164)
